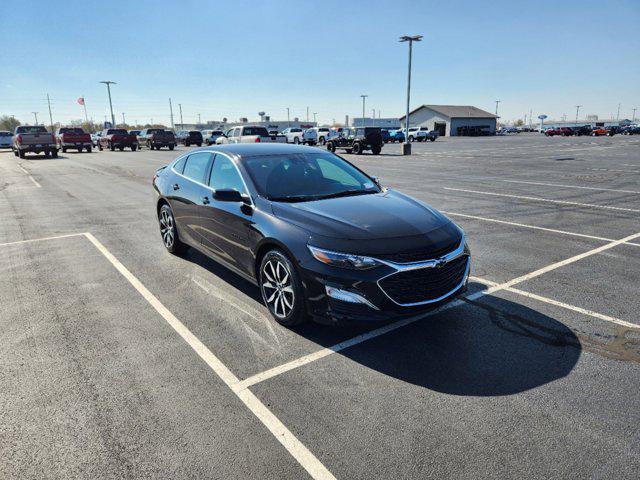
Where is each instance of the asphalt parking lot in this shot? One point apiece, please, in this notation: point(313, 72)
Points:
point(120, 360)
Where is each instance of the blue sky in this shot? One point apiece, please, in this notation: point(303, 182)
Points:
point(233, 59)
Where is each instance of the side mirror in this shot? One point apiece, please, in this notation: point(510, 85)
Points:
point(230, 195)
point(377, 181)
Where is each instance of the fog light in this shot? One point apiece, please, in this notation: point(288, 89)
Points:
point(349, 297)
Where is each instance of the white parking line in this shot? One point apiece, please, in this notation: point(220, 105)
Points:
point(17, 242)
point(574, 186)
point(562, 263)
point(493, 287)
point(540, 298)
point(546, 200)
point(294, 446)
point(30, 177)
point(533, 227)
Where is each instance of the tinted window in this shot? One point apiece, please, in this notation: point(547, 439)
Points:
point(306, 176)
point(35, 129)
point(117, 131)
point(260, 131)
point(179, 165)
point(5, 134)
point(225, 175)
point(196, 166)
point(296, 130)
point(77, 131)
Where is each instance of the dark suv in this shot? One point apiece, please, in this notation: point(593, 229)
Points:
point(357, 140)
point(190, 137)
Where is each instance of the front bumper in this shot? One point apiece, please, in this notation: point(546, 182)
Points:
point(321, 281)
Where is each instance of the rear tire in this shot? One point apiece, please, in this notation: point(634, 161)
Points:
point(433, 139)
point(54, 153)
point(321, 141)
point(89, 149)
point(171, 147)
point(281, 289)
point(331, 147)
point(112, 147)
point(100, 146)
point(169, 232)
point(64, 150)
point(411, 138)
point(134, 148)
point(296, 140)
point(199, 144)
point(121, 148)
point(376, 150)
point(21, 153)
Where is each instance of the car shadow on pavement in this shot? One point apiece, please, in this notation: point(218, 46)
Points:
point(488, 347)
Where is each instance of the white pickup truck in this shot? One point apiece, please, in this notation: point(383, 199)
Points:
point(249, 134)
point(35, 139)
point(293, 134)
point(316, 135)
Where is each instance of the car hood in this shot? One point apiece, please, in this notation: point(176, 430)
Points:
point(383, 215)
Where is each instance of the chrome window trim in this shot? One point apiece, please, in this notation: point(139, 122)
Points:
point(212, 152)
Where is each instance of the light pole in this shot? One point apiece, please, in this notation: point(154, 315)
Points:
point(123, 121)
point(181, 123)
point(108, 84)
point(618, 117)
point(406, 146)
point(307, 114)
point(577, 110)
point(497, 102)
point(633, 118)
point(363, 102)
point(35, 114)
point(373, 124)
point(288, 121)
point(199, 121)
point(314, 118)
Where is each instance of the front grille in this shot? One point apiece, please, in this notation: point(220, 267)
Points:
point(424, 284)
point(419, 255)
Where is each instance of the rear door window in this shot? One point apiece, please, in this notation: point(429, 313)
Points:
point(196, 165)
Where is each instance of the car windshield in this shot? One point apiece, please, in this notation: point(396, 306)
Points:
point(259, 131)
point(5, 134)
point(306, 176)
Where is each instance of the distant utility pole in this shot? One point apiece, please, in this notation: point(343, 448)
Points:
point(577, 110)
point(173, 125)
point(618, 116)
point(406, 147)
point(108, 83)
point(314, 117)
point(363, 102)
point(123, 121)
point(35, 114)
point(51, 116)
point(633, 118)
point(497, 102)
point(288, 121)
point(307, 114)
point(530, 117)
point(374, 117)
point(199, 121)
point(181, 122)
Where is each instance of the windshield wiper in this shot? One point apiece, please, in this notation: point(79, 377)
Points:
point(344, 193)
point(293, 198)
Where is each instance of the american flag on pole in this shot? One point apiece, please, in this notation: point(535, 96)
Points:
point(81, 100)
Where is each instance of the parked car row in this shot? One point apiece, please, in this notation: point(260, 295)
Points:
point(586, 130)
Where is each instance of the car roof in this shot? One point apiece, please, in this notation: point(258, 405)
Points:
point(253, 149)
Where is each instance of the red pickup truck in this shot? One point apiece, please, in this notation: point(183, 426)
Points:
point(76, 138)
point(119, 138)
point(563, 131)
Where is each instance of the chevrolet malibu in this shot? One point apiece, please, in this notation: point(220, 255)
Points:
point(318, 236)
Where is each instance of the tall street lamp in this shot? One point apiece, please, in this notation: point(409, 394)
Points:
point(363, 101)
point(497, 102)
point(288, 121)
point(406, 146)
point(108, 83)
point(577, 110)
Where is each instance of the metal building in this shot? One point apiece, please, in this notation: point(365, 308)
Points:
point(453, 120)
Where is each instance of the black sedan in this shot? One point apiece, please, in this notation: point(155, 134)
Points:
point(320, 237)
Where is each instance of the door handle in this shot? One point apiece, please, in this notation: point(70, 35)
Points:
point(176, 186)
point(205, 200)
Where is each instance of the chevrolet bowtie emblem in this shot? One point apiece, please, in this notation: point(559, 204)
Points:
point(440, 262)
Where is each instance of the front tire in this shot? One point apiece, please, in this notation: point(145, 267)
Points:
point(296, 140)
point(281, 289)
point(331, 147)
point(168, 231)
point(357, 148)
point(411, 138)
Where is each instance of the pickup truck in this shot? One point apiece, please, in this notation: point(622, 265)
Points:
point(250, 134)
point(316, 135)
point(76, 138)
point(293, 134)
point(421, 134)
point(35, 139)
point(156, 138)
point(119, 138)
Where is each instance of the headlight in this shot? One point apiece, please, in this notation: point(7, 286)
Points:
point(343, 260)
